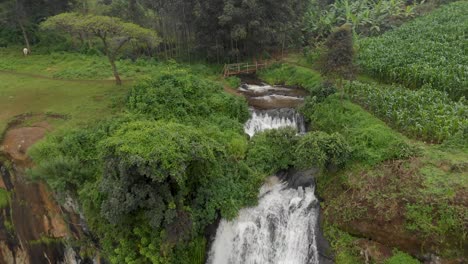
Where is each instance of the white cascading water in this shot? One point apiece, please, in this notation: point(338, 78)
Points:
point(273, 117)
point(261, 120)
point(280, 230)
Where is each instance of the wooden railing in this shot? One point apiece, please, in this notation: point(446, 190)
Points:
point(243, 68)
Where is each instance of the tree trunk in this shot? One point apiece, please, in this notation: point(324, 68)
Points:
point(25, 36)
point(118, 81)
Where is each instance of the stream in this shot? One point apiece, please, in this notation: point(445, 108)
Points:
point(283, 227)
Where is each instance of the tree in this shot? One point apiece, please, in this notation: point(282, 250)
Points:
point(244, 28)
point(113, 32)
point(21, 17)
point(338, 61)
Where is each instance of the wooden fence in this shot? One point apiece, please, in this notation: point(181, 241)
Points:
point(243, 68)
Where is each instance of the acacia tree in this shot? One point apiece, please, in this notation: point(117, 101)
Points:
point(113, 32)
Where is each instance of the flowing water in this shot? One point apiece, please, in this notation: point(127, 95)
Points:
point(282, 228)
point(272, 108)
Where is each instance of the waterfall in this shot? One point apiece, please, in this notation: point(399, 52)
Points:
point(273, 107)
point(273, 119)
point(280, 230)
point(283, 228)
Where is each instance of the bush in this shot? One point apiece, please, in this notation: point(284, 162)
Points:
point(337, 62)
point(319, 149)
point(234, 82)
point(272, 150)
point(183, 96)
point(401, 258)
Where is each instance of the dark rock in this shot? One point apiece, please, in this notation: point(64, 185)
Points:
point(296, 179)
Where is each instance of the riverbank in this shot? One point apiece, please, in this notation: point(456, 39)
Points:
point(387, 195)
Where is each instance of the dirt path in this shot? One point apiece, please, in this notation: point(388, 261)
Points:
point(44, 77)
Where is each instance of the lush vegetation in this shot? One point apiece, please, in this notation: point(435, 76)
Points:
point(425, 114)
point(157, 162)
point(429, 50)
point(389, 177)
point(367, 17)
point(286, 74)
point(275, 150)
point(148, 172)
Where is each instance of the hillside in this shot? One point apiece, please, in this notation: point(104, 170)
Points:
point(122, 142)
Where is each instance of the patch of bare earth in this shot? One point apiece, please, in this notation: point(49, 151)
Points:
point(22, 133)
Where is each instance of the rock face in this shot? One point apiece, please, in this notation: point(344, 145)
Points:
point(34, 228)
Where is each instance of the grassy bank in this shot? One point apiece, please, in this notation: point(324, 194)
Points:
point(398, 191)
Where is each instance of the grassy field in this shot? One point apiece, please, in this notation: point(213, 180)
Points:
point(77, 86)
point(78, 101)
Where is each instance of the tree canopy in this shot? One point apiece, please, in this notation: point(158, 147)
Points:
point(113, 32)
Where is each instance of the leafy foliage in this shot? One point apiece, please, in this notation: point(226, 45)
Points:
point(321, 149)
point(148, 184)
point(401, 258)
point(426, 114)
point(429, 50)
point(194, 98)
point(275, 150)
point(367, 17)
point(272, 150)
point(338, 60)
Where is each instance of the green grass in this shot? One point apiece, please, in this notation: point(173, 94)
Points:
point(291, 75)
point(371, 139)
point(80, 102)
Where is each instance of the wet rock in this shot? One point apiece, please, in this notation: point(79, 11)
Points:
point(295, 178)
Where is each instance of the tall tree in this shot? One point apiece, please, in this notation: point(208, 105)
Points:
point(244, 28)
point(27, 14)
point(113, 32)
point(338, 61)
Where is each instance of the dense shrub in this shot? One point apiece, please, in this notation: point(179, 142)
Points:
point(272, 150)
point(337, 62)
point(151, 180)
point(401, 258)
point(429, 50)
point(275, 150)
point(183, 96)
point(425, 114)
point(321, 149)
